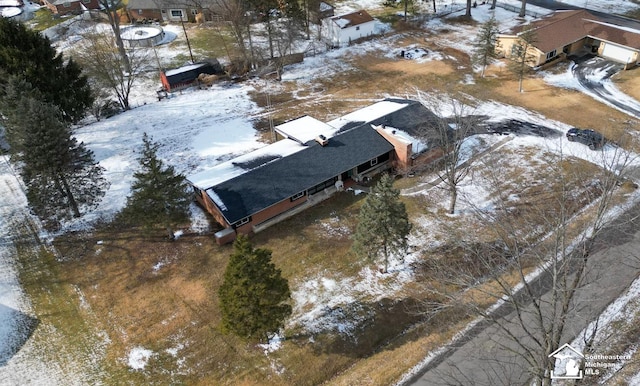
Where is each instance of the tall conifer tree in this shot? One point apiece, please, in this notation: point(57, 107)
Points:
point(62, 178)
point(158, 193)
point(484, 47)
point(383, 223)
point(29, 55)
point(254, 295)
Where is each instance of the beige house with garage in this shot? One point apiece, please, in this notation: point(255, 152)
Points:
point(576, 32)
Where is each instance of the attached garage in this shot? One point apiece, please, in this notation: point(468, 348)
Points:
point(618, 53)
point(573, 32)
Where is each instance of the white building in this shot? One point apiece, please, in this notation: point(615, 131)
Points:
point(342, 29)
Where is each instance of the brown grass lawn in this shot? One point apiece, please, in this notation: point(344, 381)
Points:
point(149, 292)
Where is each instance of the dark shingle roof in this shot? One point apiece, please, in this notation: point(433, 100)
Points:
point(261, 188)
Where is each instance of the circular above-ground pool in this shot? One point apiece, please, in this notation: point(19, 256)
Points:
point(138, 36)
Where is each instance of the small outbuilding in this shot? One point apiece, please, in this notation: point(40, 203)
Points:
point(187, 76)
point(341, 30)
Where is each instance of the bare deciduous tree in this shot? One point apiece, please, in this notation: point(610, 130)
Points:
point(523, 273)
point(110, 8)
point(523, 8)
point(101, 59)
point(451, 131)
point(521, 56)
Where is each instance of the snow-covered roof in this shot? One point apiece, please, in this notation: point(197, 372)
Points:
point(367, 114)
point(417, 146)
point(244, 163)
point(325, 6)
point(182, 69)
point(10, 3)
point(10, 11)
point(304, 129)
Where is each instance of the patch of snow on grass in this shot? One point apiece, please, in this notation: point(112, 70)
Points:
point(274, 344)
point(338, 304)
point(139, 357)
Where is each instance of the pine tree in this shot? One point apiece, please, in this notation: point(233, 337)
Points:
point(383, 223)
point(29, 55)
point(158, 194)
point(484, 51)
point(62, 178)
point(254, 295)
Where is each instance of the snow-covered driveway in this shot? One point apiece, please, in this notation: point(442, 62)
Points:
point(595, 74)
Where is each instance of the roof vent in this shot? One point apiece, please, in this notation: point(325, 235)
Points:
point(322, 140)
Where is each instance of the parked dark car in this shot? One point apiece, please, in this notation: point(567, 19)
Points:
point(588, 137)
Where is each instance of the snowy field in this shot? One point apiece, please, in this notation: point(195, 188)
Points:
point(198, 129)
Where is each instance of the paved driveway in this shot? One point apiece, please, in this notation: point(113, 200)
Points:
point(594, 75)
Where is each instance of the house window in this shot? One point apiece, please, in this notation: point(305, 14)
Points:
point(176, 13)
point(373, 162)
point(551, 55)
point(163, 10)
point(242, 222)
point(322, 186)
point(297, 196)
point(194, 12)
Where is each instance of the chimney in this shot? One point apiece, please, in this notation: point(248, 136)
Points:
point(322, 140)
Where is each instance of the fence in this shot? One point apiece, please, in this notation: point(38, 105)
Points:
point(516, 9)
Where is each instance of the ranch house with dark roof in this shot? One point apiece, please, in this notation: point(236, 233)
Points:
point(312, 161)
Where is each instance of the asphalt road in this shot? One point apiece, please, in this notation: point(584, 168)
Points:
point(485, 356)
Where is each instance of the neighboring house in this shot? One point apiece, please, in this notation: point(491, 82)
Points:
point(312, 161)
point(168, 10)
point(71, 7)
point(186, 76)
point(323, 11)
point(564, 33)
point(343, 29)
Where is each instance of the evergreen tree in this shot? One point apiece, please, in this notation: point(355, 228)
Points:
point(383, 223)
point(254, 295)
point(61, 175)
point(29, 55)
point(484, 51)
point(158, 194)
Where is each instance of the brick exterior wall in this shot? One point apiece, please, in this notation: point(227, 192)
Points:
point(402, 150)
point(270, 212)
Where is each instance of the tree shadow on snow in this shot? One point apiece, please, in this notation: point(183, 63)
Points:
point(16, 328)
point(362, 329)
